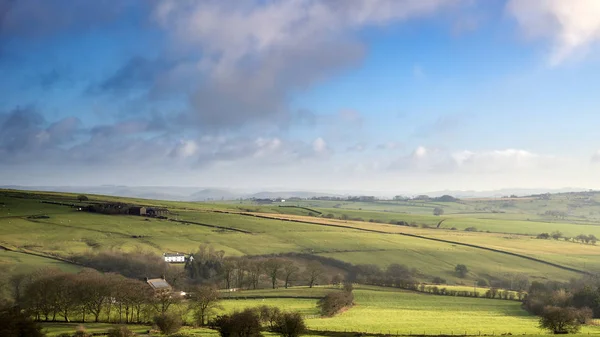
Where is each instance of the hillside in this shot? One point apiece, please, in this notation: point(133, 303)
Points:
point(243, 229)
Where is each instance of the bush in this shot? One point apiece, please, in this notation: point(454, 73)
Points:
point(461, 270)
point(438, 211)
point(168, 324)
point(334, 302)
point(471, 229)
point(543, 236)
point(482, 283)
point(238, 324)
point(15, 323)
point(290, 325)
point(120, 331)
point(82, 197)
point(438, 280)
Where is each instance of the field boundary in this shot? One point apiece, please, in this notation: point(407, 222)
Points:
point(212, 226)
point(575, 270)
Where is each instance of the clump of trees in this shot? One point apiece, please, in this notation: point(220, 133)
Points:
point(563, 307)
point(251, 323)
point(51, 295)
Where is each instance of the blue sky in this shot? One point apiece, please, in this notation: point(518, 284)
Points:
point(376, 95)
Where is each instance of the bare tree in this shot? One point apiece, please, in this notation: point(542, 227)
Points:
point(255, 269)
point(290, 269)
point(314, 270)
point(273, 267)
point(204, 299)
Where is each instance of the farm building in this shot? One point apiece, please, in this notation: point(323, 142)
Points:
point(156, 211)
point(158, 284)
point(137, 210)
point(174, 257)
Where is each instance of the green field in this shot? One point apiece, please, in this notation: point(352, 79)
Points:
point(386, 310)
point(68, 231)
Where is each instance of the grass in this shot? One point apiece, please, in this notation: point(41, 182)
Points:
point(387, 310)
point(67, 231)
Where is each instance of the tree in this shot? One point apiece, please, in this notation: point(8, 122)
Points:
point(556, 235)
point(269, 314)
point(15, 323)
point(290, 324)
point(239, 324)
point(290, 269)
point(273, 267)
point(167, 324)
point(438, 211)
point(334, 302)
point(314, 270)
point(82, 197)
point(461, 270)
point(560, 320)
point(204, 299)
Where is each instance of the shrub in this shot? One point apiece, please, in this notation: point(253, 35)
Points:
point(482, 283)
point(290, 325)
point(543, 236)
point(461, 270)
point(239, 324)
point(334, 302)
point(82, 197)
point(168, 324)
point(16, 323)
point(120, 331)
point(471, 229)
point(438, 280)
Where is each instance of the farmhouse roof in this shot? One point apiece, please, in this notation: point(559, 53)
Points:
point(158, 283)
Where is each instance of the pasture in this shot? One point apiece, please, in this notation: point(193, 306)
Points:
point(64, 231)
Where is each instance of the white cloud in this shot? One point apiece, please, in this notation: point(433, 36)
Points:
point(572, 25)
point(185, 149)
point(494, 161)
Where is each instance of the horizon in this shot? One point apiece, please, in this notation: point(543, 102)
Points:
point(388, 96)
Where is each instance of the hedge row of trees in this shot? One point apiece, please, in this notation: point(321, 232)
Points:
point(211, 266)
point(556, 235)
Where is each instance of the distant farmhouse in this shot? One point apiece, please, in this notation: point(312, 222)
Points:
point(174, 257)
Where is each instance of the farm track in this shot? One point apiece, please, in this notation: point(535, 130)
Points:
point(413, 236)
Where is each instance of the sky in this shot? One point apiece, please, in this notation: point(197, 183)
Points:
point(324, 95)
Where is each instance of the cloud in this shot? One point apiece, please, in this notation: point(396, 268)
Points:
point(271, 49)
point(24, 131)
point(56, 16)
point(442, 126)
point(474, 162)
point(573, 26)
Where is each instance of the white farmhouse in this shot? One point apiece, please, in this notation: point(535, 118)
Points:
point(174, 257)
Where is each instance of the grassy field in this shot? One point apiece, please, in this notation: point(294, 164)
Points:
point(67, 231)
point(387, 310)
